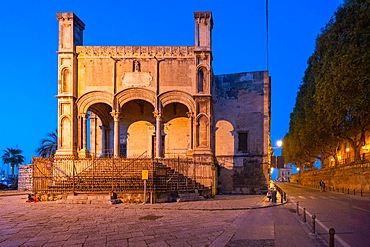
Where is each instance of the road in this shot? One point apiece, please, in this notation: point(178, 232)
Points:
point(349, 215)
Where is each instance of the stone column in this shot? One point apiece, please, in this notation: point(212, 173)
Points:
point(190, 116)
point(115, 116)
point(93, 134)
point(158, 134)
point(83, 153)
point(103, 141)
point(84, 130)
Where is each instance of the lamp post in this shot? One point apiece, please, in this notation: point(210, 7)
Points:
point(279, 143)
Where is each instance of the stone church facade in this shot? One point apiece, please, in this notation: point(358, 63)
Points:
point(162, 102)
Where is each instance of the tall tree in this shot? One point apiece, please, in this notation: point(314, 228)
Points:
point(333, 103)
point(13, 157)
point(341, 72)
point(49, 145)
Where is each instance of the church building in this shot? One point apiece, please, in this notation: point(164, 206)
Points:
point(163, 102)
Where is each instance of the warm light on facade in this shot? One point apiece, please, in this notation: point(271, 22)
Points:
point(347, 150)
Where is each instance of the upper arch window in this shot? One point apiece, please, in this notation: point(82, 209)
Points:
point(200, 80)
point(65, 80)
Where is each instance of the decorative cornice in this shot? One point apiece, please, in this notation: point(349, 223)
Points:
point(136, 51)
point(70, 16)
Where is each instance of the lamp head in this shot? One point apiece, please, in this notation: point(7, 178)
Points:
point(279, 143)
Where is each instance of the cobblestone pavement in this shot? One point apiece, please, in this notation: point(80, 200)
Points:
point(223, 221)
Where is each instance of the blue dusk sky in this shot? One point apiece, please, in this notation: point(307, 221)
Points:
point(29, 42)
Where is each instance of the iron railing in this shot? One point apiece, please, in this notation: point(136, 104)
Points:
point(69, 174)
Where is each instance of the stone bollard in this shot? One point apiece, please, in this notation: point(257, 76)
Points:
point(313, 223)
point(297, 208)
point(284, 196)
point(331, 237)
point(304, 215)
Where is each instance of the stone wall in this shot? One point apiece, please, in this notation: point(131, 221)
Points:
point(242, 106)
point(347, 179)
point(25, 177)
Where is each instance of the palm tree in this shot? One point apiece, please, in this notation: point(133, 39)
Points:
point(48, 145)
point(13, 157)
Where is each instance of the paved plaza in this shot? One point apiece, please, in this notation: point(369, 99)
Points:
point(227, 220)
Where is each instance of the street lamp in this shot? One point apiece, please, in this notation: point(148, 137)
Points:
point(279, 143)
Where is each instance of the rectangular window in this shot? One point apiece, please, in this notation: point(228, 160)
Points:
point(243, 142)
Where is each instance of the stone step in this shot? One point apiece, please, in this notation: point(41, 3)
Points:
point(87, 199)
point(188, 197)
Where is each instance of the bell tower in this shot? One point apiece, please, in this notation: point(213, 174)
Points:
point(203, 84)
point(203, 30)
point(70, 35)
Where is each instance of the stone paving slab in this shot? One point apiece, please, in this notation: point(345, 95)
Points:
point(213, 222)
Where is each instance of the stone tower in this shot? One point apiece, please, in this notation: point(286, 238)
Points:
point(70, 35)
point(203, 97)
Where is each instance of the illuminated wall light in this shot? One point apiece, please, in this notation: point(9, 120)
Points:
point(339, 157)
point(347, 150)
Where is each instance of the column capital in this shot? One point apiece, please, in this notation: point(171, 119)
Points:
point(115, 115)
point(83, 115)
point(190, 114)
point(158, 114)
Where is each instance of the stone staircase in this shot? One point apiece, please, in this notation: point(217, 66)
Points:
point(125, 179)
point(174, 181)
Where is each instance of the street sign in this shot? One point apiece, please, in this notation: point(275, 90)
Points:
point(277, 161)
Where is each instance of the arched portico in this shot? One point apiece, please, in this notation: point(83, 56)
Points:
point(94, 123)
point(178, 108)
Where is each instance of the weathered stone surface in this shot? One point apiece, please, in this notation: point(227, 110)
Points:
point(242, 105)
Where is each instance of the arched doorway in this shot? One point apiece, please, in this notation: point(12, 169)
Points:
point(137, 128)
point(177, 130)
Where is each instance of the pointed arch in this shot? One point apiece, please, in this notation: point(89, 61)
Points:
point(65, 78)
point(65, 129)
point(202, 133)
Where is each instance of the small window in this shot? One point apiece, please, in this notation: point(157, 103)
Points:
point(200, 80)
point(243, 142)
